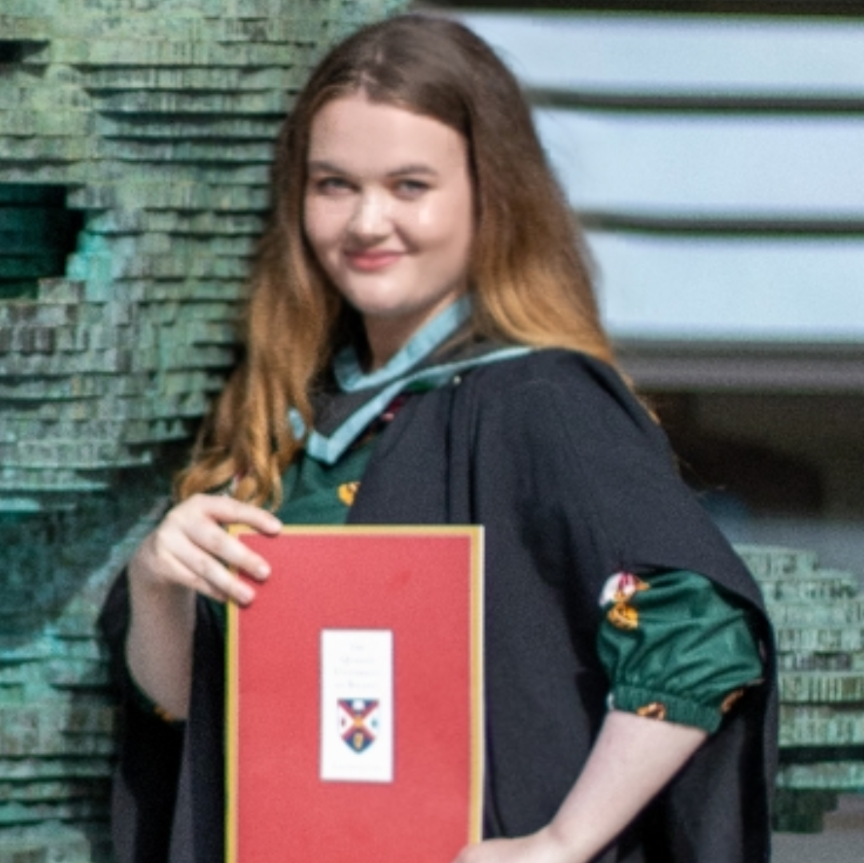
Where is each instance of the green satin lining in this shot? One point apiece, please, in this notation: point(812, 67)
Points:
point(691, 649)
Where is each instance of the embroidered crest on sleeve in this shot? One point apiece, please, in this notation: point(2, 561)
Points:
point(618, 590)
point(347, 492)
point(731, 700)
point(163, 714)
point(654, 710)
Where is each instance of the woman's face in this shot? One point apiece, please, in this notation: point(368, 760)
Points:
point(389, 214)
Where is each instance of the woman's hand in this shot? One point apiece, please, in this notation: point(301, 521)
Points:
point(632, 759)
point(191, 549)
point(539, 847)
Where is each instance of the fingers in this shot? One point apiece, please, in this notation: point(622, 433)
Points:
point(208, 574)
point(206, 538)
point(201, 519)
point(226, 510)
point(191, 549)
point(189, 579)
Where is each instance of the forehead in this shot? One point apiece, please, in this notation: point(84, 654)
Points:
point(354, 133)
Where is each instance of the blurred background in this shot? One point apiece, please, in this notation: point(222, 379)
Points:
point(716, 162)
point(714, 152)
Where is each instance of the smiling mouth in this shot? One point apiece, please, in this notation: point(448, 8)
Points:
point(369, 261)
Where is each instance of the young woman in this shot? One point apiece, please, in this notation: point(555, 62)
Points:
point(423, 346)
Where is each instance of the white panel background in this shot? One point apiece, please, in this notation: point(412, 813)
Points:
point(805, 166)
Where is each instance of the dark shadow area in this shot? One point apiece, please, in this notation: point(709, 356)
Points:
point(720, 469)
point(37, 233)
point(17, 50)
point(50, 556)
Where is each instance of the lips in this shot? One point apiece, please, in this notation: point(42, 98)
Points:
point(368, 261)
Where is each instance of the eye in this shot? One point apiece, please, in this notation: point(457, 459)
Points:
point(407, 188)
point(331, 186)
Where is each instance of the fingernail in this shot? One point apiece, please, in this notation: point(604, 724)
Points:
point(263, 570)
point(246, 595)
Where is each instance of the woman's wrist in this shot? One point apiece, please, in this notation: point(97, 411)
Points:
point(158, 645)
point(146, 577)
point(567, 842)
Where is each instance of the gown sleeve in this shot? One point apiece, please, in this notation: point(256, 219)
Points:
point(149, 754)
point(675, 647)
point(574, 482)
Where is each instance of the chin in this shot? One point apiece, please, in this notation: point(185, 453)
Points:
point(374, 306)
point(382, 313)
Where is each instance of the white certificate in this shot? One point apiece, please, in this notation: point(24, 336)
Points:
point(357, 705)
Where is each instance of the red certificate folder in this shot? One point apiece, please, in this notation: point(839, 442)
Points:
point(355, 703)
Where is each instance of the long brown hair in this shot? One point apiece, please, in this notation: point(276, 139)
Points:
point(529, 274)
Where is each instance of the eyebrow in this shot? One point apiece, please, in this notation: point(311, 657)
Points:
point(324, 166)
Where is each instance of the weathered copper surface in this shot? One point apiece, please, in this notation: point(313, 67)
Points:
point(135, 134)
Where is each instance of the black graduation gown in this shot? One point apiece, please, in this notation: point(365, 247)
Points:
point(572, 482)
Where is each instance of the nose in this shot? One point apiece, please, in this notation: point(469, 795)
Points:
point(371, 217)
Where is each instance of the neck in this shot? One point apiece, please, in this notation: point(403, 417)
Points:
point(386, 336)
point(384, 342)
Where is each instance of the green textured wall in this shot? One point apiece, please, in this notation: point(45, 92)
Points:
point(818, 615)
point(153, 122)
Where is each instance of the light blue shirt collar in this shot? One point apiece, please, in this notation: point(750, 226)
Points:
point(394, 377)
point(351, 377)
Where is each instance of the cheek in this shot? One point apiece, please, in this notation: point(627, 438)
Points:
point(447, 226)
point(322, 225)
point(310, 223)
point(448, 216)
point(435, 218)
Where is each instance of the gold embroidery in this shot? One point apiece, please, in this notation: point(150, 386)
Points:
point(619, 590)
point(623, 616)
point(347, 492)
point(654, 710)
point(730, 700)
point(163, 714)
